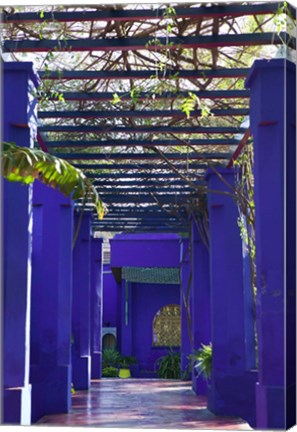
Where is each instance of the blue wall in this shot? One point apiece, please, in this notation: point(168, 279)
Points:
point(147, 299)
point(109, 298)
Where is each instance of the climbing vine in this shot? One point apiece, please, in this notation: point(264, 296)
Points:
point(163, 63)
point(246, 219)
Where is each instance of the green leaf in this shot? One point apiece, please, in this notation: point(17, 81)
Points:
point(115, 99)
point(169, 28)
point(135, 94)
point(24, 165)
point(189, 103)
point(205, 111)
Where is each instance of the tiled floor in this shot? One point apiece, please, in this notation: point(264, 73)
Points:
point(141, 403)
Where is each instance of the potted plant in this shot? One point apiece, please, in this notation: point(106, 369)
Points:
point(201, 362)
point(110, 357)
point(124, 366)
point(168, 366)
point(110, 362)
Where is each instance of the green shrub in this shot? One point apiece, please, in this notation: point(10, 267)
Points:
point(126, 361)
point(168, 366)
point(202, 359)
point(110, 372)
point(110, 357)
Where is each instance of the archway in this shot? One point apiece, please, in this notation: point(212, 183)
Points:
point(108, 341)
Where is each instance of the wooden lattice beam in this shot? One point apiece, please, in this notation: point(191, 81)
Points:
point(142, 156)
point(146, 183)
point(137, 142)
point(143, 74)
point(228, 10)
point(109, 96)
point(149, 43)
point(143, 129)
point(139, 113)
point(143, 166)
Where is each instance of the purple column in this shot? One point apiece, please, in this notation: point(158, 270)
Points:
point(110, 296)
point(249, 310)
point(81, 331)
point(232, 384)
point(19, 126)
point(273, 126)
point(50, 372)
point(96, 307)
point(200, 301)
point(185, 305)
point(126, 318)
point(119, 311)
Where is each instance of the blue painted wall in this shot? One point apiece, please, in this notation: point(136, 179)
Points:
point(109, 298)
point(147, 299)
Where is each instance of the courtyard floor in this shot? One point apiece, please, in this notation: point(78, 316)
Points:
point(141, 403)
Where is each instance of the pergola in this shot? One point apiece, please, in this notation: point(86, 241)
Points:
point(160, 107)
point(117, 82)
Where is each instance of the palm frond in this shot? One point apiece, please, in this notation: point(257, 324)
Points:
point(25, 165)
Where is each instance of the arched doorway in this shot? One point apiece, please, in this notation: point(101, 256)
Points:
point(108, 341)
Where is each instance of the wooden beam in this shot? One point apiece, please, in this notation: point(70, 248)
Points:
point(145, 189)
point(239, 148)
point(149, 198)
point(139, 142)
point(141, 216)
point(143, 74)
point(223, 10)
point(139, 229)
point(147, 208)
point(151, 221)
point(143, 129)
point(139, 114)
point(142, 156)
point(149, 43)
point(139, 175)
point(164, 168)
point(142, 212)
point(108, 96)
point(118, 182)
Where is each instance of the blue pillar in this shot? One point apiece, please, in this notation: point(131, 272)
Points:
point(185, 304)
point(96, 307)
point(119, 312)
point(249, 309)
point(19, 126)
point(273, 126)
point(232, 384)
point(81, 331)
point(200, 301)
point(126, 318)
point(50, 371)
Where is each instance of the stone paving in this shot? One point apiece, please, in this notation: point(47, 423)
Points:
point(142, 403)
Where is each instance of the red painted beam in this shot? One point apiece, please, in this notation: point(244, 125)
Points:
point(41, 143)
point(239, 148)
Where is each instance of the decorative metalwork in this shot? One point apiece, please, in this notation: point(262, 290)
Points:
point(155, 275)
